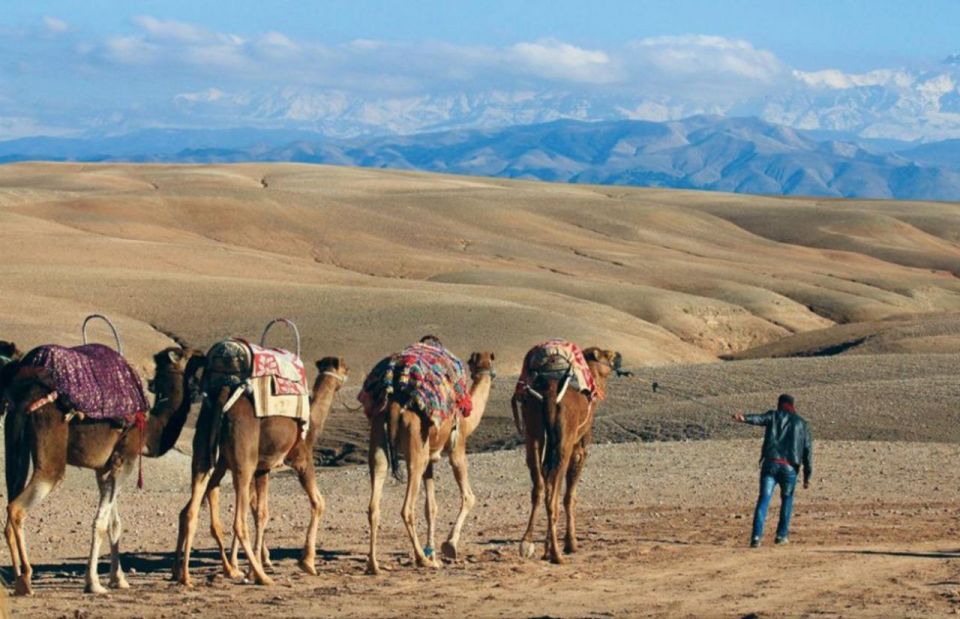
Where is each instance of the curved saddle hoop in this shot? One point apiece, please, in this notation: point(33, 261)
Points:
point(116, 334)
point(289, 323)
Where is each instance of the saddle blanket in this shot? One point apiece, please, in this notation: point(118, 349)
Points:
point(555, 358)
point(275, 379)
point(93, 379)
point(285, 367)
point(423, 377)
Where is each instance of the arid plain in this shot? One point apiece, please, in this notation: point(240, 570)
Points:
point(723, 300)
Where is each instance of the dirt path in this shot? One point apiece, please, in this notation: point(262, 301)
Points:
point(662, 530)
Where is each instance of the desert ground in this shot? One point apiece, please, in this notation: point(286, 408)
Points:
point(722, 300)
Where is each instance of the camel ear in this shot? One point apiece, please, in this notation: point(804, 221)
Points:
point(474, 358)
point(493, 357)
point(174, 355)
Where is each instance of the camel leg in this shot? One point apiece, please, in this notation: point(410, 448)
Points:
point(261, 512)
point(117, 578)
point(107, 485)
point(33, 493)
point(415, 450)
point(188, 527)
point(570, 499)
point(458, 460)
point(429, 487)
point(241, 486)
point(554, 479)
point(534, 459)
point(378, 474)
point(231, 569)
point(308, 479)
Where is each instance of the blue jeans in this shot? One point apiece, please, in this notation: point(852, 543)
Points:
point(773, 474)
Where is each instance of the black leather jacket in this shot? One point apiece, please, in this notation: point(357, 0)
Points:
point(786, 436)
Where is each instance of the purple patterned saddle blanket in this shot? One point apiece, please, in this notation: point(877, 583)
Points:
point(93, 379)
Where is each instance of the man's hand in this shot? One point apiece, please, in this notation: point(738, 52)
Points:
point(739, 417)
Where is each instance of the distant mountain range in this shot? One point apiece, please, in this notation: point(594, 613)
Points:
point(744, 155)
point(899, 104)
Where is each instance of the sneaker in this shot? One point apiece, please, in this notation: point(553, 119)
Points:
point(755, 542)
point(781, 540)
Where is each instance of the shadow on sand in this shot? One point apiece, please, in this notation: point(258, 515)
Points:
point(932, 554)
point(160, 562)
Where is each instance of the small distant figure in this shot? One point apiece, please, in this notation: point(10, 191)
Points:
point(787, 444)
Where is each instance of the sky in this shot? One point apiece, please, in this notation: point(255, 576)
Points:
point(68, 68)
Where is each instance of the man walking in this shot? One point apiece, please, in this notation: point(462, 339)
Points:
point(787, 444)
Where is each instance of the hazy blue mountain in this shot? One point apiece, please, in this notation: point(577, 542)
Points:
point(745, 155)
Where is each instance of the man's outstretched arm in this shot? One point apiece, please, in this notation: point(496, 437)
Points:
point(754, 420)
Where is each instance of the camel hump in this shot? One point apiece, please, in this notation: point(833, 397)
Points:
point(559, 360)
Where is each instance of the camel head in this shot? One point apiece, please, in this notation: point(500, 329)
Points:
point(331, 367)
point(8, 352)
point(602, 362)
point(177, 374)
point(481, 363)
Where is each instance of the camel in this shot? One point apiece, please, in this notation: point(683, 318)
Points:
point(421, 443)
point(250, 447)
point(53, 440)
point(557, 435)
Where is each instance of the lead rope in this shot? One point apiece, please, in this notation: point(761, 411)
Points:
point(140, 421)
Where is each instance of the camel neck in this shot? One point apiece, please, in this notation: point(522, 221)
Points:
point(167, 416)
point(479, 395)
point(321, 403)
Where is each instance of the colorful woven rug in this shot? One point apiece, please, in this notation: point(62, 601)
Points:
point(93, 379)
point(554, 358)
point(425, 378)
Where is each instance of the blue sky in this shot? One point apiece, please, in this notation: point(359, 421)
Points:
point(67, 67)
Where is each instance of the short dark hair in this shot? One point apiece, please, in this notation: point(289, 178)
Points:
point(785, 398)
point(432, 340)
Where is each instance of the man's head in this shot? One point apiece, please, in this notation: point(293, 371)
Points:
point(785, 403)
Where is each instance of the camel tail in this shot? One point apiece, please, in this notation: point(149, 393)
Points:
point(393, 430)
point(17, 452)
point(517, 421)
point(551, 423)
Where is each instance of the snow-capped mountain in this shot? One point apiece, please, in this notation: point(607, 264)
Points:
point(893, 104)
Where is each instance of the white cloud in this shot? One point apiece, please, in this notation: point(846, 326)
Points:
point(54, 25)
point(705, 57)
point(172, 30)
point(558, 60)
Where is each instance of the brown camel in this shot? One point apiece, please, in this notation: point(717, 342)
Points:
point(250, 447)
point(557, 435)
point(53, 442)
point(421, 444)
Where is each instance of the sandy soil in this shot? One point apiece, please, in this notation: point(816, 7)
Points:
point(663, 531)
point(852, 306)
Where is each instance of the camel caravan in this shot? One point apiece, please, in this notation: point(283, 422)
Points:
point(86, 406)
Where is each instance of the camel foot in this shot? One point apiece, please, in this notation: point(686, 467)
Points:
point(570, 547)
point(308, 566)
point(232, 572)
point(373, 568)
point(119, 582)
point(264, 580)
point(557, 559)
point(449, 550)
point(95, 588)
point(22, 587)
point(527, 549)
